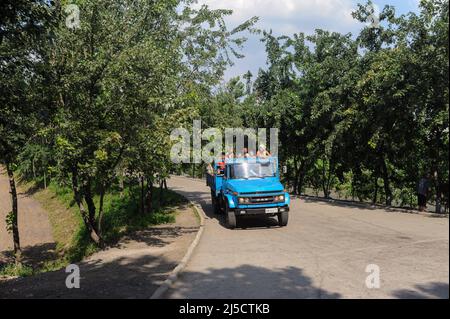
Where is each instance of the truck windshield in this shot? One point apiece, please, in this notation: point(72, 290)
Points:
point(252, 170)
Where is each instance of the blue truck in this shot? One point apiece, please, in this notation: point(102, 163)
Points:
point(248, 187)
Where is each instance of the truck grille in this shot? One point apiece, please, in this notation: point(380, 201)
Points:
point(265, 199)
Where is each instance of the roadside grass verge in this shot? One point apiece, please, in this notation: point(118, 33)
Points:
point(121, 217)
point(13, 270)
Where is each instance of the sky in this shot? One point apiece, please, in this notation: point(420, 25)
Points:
point(286, 17)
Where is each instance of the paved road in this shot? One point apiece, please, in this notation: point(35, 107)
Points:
point(322, 253)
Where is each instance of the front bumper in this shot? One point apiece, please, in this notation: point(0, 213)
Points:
point(260, 211)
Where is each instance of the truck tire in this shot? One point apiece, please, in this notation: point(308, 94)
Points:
point(230, 216)
point(283, 219)
point(215, 203)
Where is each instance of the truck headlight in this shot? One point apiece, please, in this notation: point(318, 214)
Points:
point(279, 198)
point(243, 200)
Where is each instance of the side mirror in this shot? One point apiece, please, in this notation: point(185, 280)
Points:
point(284, 169)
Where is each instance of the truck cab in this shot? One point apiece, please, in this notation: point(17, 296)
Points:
point(248, 187)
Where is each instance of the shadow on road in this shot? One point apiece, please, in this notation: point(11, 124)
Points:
point(353, 204)
point(158, 236)
point(365, 206)
point(128, 277)
point(31, 255)
point(138, 276)
point(125, 277)
point(431, 290)
point(249, 281)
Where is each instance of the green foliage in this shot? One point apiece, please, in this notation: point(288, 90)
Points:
point(121, 217)
point(10, 217)
point(16, 270)
point(368, 115)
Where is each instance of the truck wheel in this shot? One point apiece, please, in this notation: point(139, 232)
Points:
point(230, 216)
point(215, 203)
point(283, 219)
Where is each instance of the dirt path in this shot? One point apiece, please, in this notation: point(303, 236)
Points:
point(34, 225)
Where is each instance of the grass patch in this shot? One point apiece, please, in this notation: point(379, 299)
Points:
point(64, 216)
point(16, 270)
point(196, 213)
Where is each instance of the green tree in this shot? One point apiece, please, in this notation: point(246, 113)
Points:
point(23, 29)
point(121, 73)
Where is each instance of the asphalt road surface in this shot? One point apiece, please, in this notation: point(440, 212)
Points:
point(324, 252)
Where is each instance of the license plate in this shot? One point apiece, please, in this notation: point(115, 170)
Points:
point(271, 210)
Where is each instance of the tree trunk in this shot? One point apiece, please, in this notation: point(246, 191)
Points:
point(325, 188)
point(355, 181)
point(438, 189)
point(386, 182)
point(375, 193)
point(353, 186)
point(86, 216)
point(301, 179)
point(121, 185)
point(142, 206)
point(14, 212)
point(90, 204)
point(100, 210)
point(329, 179)
point(149, 197)
point(161, 195)
point(92, 225)
point(296, 172)
point(34, 169)
point(295, 186)
point(323, 178)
